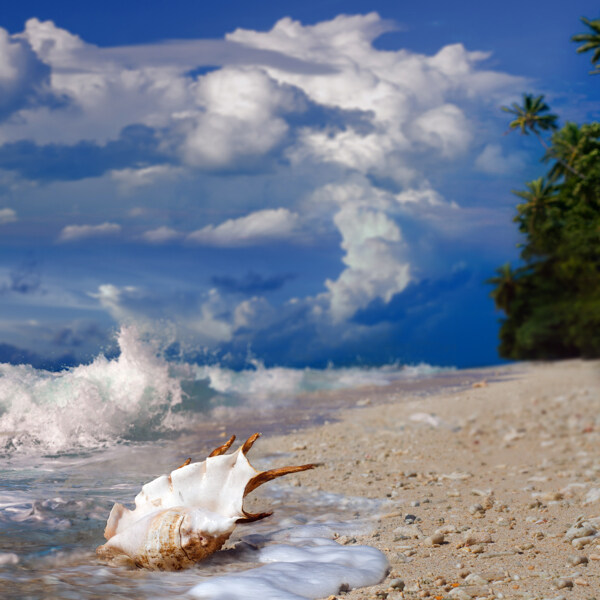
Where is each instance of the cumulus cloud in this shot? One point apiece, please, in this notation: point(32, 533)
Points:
point(161, 235)
point(375, 259)
point(313, 119)
point(373, 268)
point(24, 78)
point(256, 228)
point(443, 128)
point(73, 233)
point(7, 215)
point(131, 179)
point(241, 117)
point(493, 160)
point(200, 318)
point(407, 94)
point(237, 115)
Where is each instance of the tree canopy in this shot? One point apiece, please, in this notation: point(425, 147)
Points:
point(551, 300)
point(590, 41)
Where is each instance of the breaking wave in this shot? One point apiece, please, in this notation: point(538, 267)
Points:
point(88, 405)
point(141, 396)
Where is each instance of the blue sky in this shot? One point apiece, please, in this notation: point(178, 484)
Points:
point(301, 182)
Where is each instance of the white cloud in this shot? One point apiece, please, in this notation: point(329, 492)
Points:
point(72, 233)
point(411, 100)
point(493, 160)
point(22, 73)
point(423, 196)
point(200, 320)
point(256, 228)
point(129, 180)
point(53, 45)
point(443, 128)
point(375, 253)
point(374, 265)
point(353, 120)
point(7, 215)
point(239, 112)
point(240, 117)
point(161, 235)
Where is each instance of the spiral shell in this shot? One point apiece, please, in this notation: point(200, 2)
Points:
point(183, 517)
point(168, 542)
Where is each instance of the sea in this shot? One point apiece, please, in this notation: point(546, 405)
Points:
point(73, 443)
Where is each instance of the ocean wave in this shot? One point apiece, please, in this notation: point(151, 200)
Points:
point(89, 405)
point(266, 383)
point(141, 396)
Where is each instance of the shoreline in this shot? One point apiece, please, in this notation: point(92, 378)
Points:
point(482, 479)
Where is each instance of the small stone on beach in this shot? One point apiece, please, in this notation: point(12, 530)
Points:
point(563, 583)
point(435, 540)
point(397, 584)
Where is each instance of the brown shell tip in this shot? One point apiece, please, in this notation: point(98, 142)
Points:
point(222, 449)
point(185, 464)
point(251, 517)
point(249, 443)
point(265, 476)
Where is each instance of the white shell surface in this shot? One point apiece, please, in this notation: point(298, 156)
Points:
point(182, 517)
point(171, 539)
point(215, 485)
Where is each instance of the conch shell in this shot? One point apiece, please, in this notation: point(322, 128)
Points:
point(181, 518)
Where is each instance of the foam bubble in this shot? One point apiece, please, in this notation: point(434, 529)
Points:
point(297, 572)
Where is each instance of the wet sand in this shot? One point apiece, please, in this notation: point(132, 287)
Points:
point(481, 480)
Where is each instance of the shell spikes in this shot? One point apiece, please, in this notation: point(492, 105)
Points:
point(181, 518)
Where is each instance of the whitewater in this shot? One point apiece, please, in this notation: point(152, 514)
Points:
point(72, 443)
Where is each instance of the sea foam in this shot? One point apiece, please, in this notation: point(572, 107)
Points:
point(315, 571)
point(304, 562)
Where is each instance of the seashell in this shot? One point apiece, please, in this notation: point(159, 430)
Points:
point(181, 518)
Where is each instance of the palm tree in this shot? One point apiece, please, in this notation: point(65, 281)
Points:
point(590, 41)
point(566, 148)
point(538, 195)
point(506, 287)
point(533, 117)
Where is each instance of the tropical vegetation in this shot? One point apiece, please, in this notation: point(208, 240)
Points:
point(551, 299)
point(590, 41)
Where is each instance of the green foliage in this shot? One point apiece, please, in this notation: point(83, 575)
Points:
point(552, 302)
point(533, 116)
point(590, 41)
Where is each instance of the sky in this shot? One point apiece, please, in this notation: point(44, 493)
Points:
point(300, 183)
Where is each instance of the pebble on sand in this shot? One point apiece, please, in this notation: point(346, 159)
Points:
point(563, 582)
point(397, 584)
point(437, 539)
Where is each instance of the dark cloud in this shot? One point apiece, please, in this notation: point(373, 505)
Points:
point(137, 145)
point(26, 278)
point(19, 356)
point(417, 297)
point(251, 283)
point(446, 322)
point(332, 118)
point(80, 335)
point(28, 79)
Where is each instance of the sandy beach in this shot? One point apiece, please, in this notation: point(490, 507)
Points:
point(490, 488)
